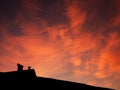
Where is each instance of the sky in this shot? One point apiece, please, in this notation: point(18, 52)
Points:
point(74, 40)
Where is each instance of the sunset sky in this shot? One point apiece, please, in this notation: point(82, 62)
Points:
point(74, 40)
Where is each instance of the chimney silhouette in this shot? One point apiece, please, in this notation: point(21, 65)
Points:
point(19, 67)
point(29, 67)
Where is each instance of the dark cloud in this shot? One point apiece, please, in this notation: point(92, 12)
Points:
point(1, 35)
point(45, 34)
point(8, 10)
point(99, 14)
point(87, 55)
point(105, 11)
point(15, 30)
point(108, 31)
point(53, 12)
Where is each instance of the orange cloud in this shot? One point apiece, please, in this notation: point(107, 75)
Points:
point(109, 61)
point(76, 15)
point(92, 82)
point(76, 61)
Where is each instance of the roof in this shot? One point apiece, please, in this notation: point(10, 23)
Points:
point(18, 74)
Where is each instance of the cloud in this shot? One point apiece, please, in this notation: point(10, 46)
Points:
point(92, 82)
point(116, 21)
point(76, 61)
point(8, 10)
point(109, 60)
point(75, 14)
point(29, 9)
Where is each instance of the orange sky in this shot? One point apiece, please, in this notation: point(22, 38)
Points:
point(75, 40)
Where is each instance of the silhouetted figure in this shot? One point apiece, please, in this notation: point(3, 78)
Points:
point(19, 67)
point(29, 67)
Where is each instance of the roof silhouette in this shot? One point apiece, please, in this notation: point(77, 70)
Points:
point(28, 79)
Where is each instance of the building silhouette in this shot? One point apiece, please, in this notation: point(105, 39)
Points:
point(19, 74)
point(27, 79)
